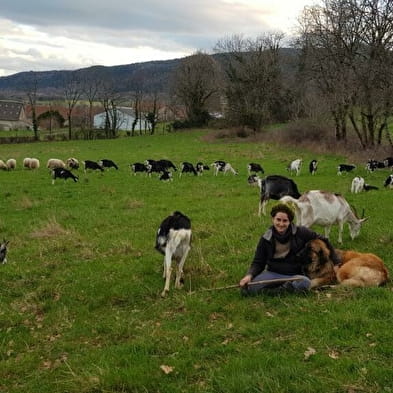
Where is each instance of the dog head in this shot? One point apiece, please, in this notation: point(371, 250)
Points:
point(315, 257)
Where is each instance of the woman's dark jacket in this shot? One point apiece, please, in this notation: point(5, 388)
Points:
point(290, 264)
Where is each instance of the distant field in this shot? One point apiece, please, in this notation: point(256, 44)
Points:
point(80, 296)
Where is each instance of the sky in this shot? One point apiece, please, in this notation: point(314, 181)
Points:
point(45, 35)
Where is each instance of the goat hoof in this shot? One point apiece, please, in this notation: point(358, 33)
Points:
point(164, 293)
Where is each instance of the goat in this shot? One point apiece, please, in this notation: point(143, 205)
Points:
point(26, 162)
point(72, 163)
point(372, 165)
point(166, 176)
point(368, 187)
point(295, 166)
point(388, 161)
point(3, 251)
point(167, 165)
point(389, 182)
point(154, 166)
point(31, 163)
point(108, 164)
point(325, 209)
point(200, 167)
point(187, 167)
point(3, 165)
point(62, 173)
point(357, 185)
point(55, 163)
point(92, 165)
point(345, 168)
point(254, 168)
point(313, 166)
point(253, 180)
point(138, 167)
point(11, 164)
point(173, 240)
point(275, 187)
point(222, 166)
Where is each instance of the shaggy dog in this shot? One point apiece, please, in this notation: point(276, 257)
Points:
point(356, 269)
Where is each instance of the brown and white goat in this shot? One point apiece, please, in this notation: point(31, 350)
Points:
point(325, 208)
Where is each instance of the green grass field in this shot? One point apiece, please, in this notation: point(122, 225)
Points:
point(80, 295)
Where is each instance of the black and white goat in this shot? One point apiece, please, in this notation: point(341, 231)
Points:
point(105, 163)
point(200, 167)
point(187, 167)
point(138, 167)
point(3, 251)
point(345, 168)
point(173, 240)
point(166, 176)
point(313, 166)
point(388, 182)
point(92, 165)
point(254, 168)
point(372, 165)
point(388, 161)
point(222, 166)
point(62, 173)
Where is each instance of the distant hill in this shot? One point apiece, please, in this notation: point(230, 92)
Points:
point(151, 76)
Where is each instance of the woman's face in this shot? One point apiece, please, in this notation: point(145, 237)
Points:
point(281, 222)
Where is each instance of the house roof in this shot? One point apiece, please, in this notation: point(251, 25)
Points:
point(10, 110)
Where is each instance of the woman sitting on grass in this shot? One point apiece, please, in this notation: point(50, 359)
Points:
point(276, 256)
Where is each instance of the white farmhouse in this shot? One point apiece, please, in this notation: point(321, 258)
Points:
point(125, 118)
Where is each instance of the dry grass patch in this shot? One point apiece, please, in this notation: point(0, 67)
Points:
point(50, 229)
point(133, 204)
point(24, 203)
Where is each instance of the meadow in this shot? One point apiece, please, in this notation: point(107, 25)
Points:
point(80, 295)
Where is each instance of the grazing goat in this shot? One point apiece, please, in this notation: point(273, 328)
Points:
point(356, 269)
point(357, 185)
point(55, 163)
point(388, 182)
point(3, 165)
point(368, 187)
point(11, 164)
point(275, 187)
point(254, 168)
point(166, 176)
point(3, 251)
point(167, 165)
point(222, 166)
point(154, 166)
point(138, 167)
point(313, 166)
point(62, 173)
point(174, 241)
point(31, 163)
point(200, 167)
point(345, 168)
point(92, 165)
point(72, 163)
point(372, 165)
point(388, 161)
point(26, 162)
point(187, 167)
point(325, 209)
point(108, 164)
point(295, 166)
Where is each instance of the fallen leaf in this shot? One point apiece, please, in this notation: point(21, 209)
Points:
point(334, 355)
point(166, 369)
point(309, 352)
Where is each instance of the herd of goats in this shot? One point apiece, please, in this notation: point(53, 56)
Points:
point(174, 234)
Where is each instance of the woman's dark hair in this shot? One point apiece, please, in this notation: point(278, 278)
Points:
point(283, 208)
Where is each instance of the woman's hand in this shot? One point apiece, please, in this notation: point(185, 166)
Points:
point(245, 280)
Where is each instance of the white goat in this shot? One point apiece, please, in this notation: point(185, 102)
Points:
point(325, 209)
point(357, 185)
point(295, 166)
point(31, 163)
point(3, 165)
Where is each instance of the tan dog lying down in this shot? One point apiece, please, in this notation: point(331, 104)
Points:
point(357, 269)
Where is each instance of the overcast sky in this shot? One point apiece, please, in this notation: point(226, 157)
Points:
point(48, 35)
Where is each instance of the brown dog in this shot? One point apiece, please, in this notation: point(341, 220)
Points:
point(356, 269)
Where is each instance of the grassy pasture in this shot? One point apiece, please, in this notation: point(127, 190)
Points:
point(80, 296)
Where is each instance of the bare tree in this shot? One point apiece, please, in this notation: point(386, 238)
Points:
point(92, 85)
point(347, 50)
point(152, 114)
point(31, 94)
point(72, 93)
point(195, 82)
point(253, 78)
